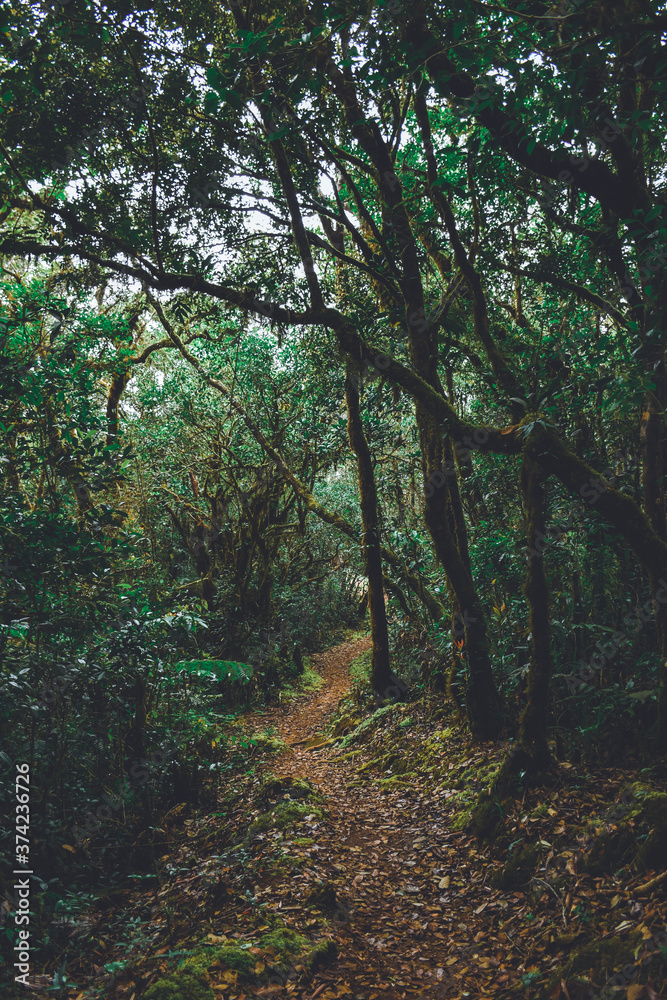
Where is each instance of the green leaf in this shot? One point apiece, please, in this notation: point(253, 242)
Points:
point(211, 102)
point(278, 134)
point(233, 98)
point(213, 77)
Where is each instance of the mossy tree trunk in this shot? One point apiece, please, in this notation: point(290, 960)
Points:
point(484, 709)
point(443, 512)
point(382, 678)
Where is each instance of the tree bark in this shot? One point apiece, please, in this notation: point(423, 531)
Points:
point(484, 707)
point(116, 389)
point(381, 674)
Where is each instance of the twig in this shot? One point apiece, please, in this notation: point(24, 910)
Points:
point(647, 886)
point(559, 898)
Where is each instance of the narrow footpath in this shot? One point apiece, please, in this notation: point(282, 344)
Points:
point(387, 856)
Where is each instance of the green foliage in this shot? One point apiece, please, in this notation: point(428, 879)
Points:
point(221, 670)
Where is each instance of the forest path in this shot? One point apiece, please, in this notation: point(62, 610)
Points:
point(385, 855)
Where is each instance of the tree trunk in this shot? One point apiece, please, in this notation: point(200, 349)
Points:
point(382, 678)
point(484, 707)
point(116, 389)
point(483, 702)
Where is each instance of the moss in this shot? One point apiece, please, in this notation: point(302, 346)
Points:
point(632, 831)
point(566, 940)
point(283, 941)
point(478, 775)
point(541, 811)
point(640, 790)
point(197, 965)
point(269, 742)
point(308, 682)
point(395, 782)
point(231, 956)
point(383, 763)
point(436, 740)
point(284, 815)
point(365, 728)
point(609, 850)
point(273, 788)
point(653, 852)
point(270, 788)
point(323, 896)
point(345, 723)
point(354, 635)
point(301, 788)
point(654, 809)
point(646, 810)
point(460, 819)
point(321, 954)
point(517, 870)
point(191, 980)
point(400, 765)
point(604, 957)
point(485, 819)
point(179, 986)
point(360, 668)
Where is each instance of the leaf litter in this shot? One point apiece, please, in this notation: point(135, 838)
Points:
point(369, 861)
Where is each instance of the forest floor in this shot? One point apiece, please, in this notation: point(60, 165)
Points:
point(346, 866)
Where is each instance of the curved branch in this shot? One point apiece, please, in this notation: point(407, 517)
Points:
point(585, 294)
point(513, 135)
point(435, 608)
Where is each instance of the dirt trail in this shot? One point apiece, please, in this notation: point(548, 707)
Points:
point(306, 716)
point(384, 854)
